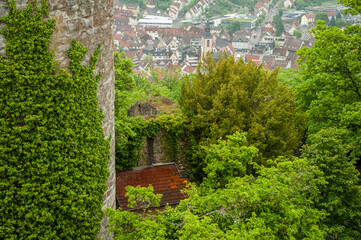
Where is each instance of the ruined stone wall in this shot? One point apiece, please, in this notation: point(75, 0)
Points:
point(154, 151)
point(90, 23)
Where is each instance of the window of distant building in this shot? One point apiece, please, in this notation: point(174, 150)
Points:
point(208, 43)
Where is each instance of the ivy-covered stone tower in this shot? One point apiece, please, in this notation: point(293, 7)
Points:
point(90, 23)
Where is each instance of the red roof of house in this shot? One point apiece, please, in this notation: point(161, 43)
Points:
point(189, 69)
point(165, 180)
point(256, 59)
point(231, 48)
point(311, 15)
point(253, 57)
point(118, 37)
point(330, 14)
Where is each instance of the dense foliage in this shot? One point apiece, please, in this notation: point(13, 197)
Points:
point(243, 3)
point(321, 16)
point(277, 204)
point(53, 155)
point(220, 8)
point(354, 6)
point(340, 198)
point(163, 4)
point(331, 88)
point(228, 159)
point(260, 19)
point(278, 23)
point(160, 4)
point(316, 197)
point(237, 115)
point(141, 3)
point(230, 96)
point(291, 77)
point(188, 6)
point(238, 118)
point(297, 34)
point(302, 4)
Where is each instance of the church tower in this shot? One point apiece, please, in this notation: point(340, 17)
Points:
point(207, 41)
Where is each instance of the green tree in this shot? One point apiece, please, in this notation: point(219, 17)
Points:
point(338, 16)
point(333, 21)
point(260, 20)
point(331, 88)
point(291, 77)
point(148, 58)
point(172, 81)
point(297, 34)
point(321, 16)
point(141, 3)
point(228, 159)
point(124, 82)
point(340, 197)
point(128, 225)
point(355, 6)
point(53, 155)
point(342, 23)
point(234, 27)
point(163, 4)
point(302, 4)
point(233, 96)
point(278, 25)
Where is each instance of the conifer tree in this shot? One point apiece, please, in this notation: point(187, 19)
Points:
point(230, 96)
point(333, 21)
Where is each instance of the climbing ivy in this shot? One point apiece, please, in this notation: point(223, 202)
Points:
point(135, 129)
point(53, 154)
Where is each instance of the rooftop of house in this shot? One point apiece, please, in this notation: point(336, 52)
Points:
point(165, 180)
point(221, 42)
point(292, 44)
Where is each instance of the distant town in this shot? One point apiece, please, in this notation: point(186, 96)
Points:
point(266, 32)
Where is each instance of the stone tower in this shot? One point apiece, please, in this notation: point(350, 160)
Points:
point(90, 23)
point(207, 41)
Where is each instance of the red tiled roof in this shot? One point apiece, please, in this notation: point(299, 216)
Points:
point(311, 15)
point(164, 179)
point(253, 57)
point(231, 48)
point(189, 69)
point(281, 51)
point(118, 37)
point(330, 14)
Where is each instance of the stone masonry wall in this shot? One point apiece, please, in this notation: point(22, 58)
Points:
point(90, 23)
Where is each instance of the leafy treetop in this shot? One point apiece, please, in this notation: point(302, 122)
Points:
point(331, 88)
point(230, 96)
